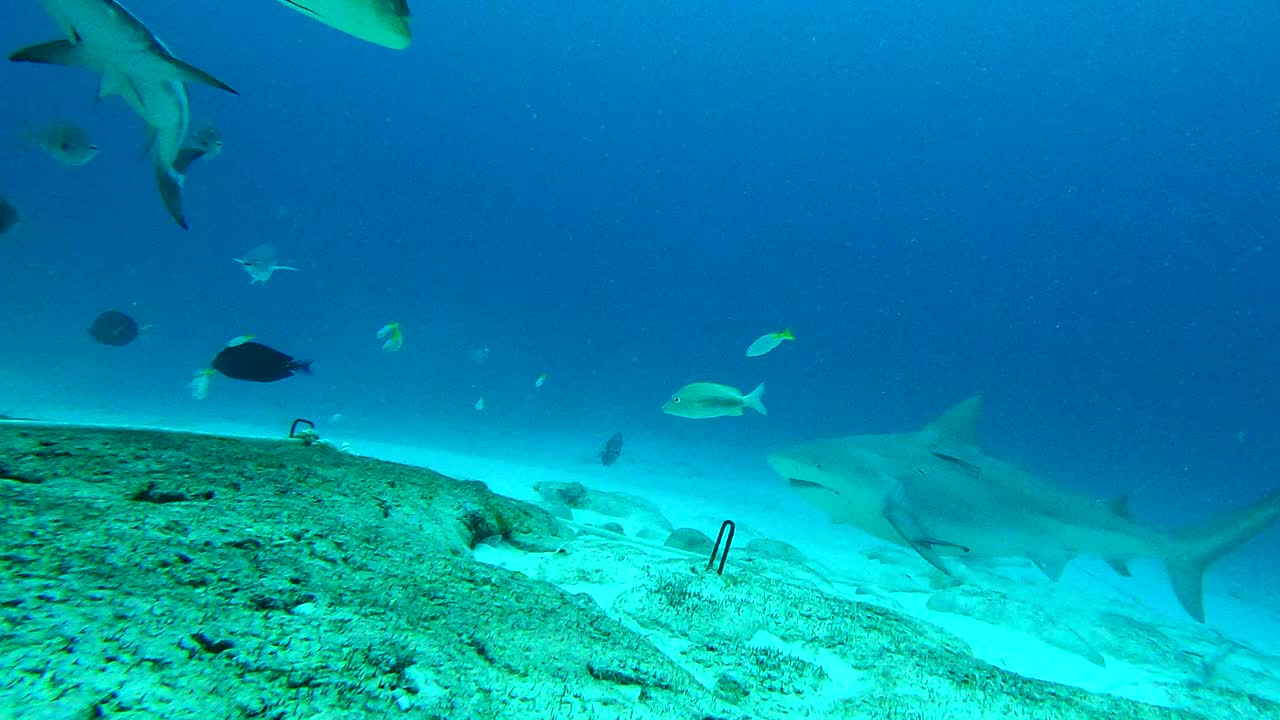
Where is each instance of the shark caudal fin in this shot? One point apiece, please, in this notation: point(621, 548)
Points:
point(170, 184)
point(1194, 550)
point(755, 400)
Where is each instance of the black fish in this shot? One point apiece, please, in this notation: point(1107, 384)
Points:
point(257, 363)
point(8, 215)
point(612, 449)
point(114, 328)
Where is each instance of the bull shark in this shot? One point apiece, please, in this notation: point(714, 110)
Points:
point(936, 492)
point(105, 38)
point(381, 22)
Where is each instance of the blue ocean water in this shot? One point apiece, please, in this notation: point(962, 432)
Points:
point(1069, 207)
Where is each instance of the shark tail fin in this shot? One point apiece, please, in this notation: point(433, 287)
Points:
point(1194, 550)
point(755, 400)
point(170, 184)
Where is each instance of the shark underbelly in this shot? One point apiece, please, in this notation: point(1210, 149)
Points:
point(164, 107)
point(1020, 532)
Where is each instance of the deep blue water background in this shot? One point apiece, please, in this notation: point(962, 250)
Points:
point(1070, 207)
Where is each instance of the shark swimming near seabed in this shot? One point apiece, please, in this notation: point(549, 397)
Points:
point(105, 38)
point(935, 491)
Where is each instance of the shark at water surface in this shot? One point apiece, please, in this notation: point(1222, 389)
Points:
point(936, 492)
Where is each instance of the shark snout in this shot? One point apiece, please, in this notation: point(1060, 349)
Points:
point(799, 474)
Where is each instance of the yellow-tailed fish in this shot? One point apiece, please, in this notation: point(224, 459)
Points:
point(540, 381)
point(392, 337)
point(767, 342)
point(709, 400)
point(200, 383)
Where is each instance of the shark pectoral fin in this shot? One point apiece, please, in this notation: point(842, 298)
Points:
point(895, 511)
point(1051, 564)
point(170, 185)
point(191, 73)
point(55, 52)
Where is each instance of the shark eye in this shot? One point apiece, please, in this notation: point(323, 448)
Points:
point(675, 398)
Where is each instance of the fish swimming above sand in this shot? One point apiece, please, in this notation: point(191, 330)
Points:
point(260, 263)
point(612, 450)
point(105, 38)
point(703, 400)
point(936, 492)
point(65, 142)
point(114, 328)
point(381, 22)
point(767, 342)
point(256, 362)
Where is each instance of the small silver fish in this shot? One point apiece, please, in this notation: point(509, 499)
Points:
point(65, 142)
point(203, 143)
point(208, 139)
point(260, 263)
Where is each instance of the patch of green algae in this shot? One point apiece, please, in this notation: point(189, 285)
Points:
point(167, 575)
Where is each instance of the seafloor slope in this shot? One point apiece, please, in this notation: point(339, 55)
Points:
point(153, 574)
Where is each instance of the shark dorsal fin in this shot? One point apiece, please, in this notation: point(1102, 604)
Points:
point(960, 423)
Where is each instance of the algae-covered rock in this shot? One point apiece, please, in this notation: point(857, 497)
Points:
point(288, 582)
point(690, 540)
